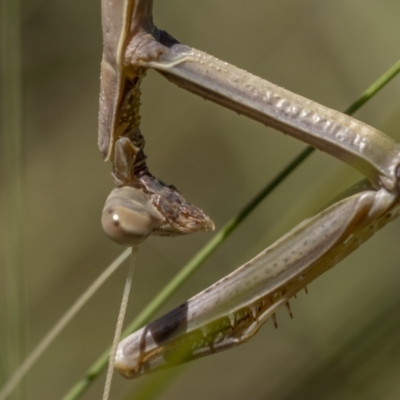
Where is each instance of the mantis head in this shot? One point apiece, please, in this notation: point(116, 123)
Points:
point(130, 215)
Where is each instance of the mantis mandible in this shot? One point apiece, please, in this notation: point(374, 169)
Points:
point(232, 310)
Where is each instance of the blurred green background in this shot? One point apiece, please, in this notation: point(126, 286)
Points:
point(344, 341)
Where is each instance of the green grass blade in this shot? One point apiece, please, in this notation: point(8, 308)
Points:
point(60, 325)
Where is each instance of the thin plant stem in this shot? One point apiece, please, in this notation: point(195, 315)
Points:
point(93, 372)
point(14, 331)
point(374, 88)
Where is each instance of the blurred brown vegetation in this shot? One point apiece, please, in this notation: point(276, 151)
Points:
point(344, 341)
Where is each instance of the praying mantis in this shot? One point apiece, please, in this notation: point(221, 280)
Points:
point(322, 317)
point(232, 310)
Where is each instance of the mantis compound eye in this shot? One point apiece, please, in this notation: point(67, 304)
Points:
point(125, 226)
point(128, 217)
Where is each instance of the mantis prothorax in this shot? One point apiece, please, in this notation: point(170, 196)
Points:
point(233, 309)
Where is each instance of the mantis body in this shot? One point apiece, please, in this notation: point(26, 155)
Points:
point(232, 310)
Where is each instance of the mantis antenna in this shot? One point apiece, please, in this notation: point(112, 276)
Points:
point(120, 322)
